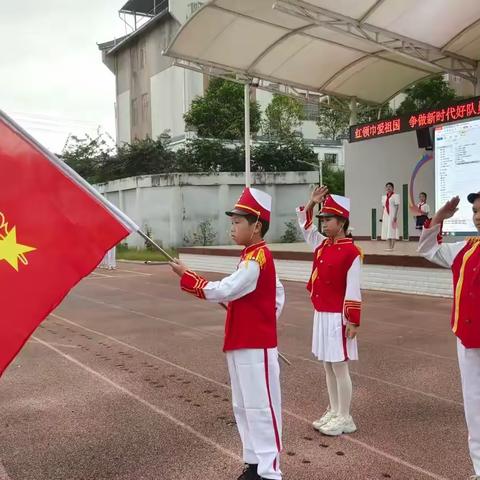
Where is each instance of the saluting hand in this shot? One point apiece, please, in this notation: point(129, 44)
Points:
point(319, 194)
point(447, 211)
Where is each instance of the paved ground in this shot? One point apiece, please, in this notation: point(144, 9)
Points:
point(127, 381)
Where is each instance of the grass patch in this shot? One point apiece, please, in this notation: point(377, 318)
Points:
point(124, 253)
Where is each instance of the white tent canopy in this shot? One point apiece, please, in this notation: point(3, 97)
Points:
point(367, 49)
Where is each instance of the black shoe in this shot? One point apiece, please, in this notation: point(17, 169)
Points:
point(249, 472)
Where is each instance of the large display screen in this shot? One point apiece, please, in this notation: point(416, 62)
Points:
point(457, 171)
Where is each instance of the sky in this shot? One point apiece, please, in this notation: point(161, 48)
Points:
point(52, 79)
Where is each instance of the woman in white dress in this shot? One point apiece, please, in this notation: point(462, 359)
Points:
point(390, 204)
point(335, 294)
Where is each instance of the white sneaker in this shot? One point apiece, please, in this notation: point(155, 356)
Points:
point(338, 426)
point(326, 418)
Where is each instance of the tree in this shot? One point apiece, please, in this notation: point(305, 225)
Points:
point(209, 155)
point(334, 179)
point(334, 118)
point(289, 155)
point(220, 112)
point(332, 123)
point(87, 154)
point(427, 95)
point(282, 116)
point(141, 157)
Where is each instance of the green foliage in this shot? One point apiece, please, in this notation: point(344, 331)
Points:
point(148, 245)
point(220, 112)
point(282, 116)
point(125, 253)
point(87, 155)
point(334, 120)
point(291, 232)
point(334, 179)
point(205, 234)
point(427, 95)
point(142, 157)
point(289, 155)
point(332, 123)
point(209, 155)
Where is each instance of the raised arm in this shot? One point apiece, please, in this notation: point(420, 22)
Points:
point(431, 245)
point(305, 218)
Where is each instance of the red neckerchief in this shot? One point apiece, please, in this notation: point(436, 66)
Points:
point(387, 202)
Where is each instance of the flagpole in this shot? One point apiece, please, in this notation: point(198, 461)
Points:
point(156, 245)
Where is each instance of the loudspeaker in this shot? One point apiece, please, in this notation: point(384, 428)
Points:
point(424, 138)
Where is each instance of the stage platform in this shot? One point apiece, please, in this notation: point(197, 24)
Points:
point(401, 270)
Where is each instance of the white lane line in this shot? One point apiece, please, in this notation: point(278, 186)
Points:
point(371, 448)
point(141, 274)
point(141, 400)
point(63, 345)
point(103, 276)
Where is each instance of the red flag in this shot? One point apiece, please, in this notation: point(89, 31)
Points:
point(54, 230)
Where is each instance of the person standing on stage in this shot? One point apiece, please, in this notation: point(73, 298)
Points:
point(422, 211)
point(391, 205)
point(463, 258)
point(334, 288)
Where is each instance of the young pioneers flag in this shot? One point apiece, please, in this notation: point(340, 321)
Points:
point(54, 230)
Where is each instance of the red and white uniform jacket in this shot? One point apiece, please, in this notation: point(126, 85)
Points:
point(464, 260)
point(255, 299)
point(334, 285)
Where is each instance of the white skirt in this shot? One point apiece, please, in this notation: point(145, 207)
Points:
point(389, 231)
point(329, 343)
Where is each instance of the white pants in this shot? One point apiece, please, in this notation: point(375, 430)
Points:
point(469, 362)
point(255, 380)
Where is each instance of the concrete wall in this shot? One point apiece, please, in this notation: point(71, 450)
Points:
point(372, 163)
point(174, 205)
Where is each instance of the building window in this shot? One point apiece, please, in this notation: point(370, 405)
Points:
point(145, 107)
point(134, 112)
point(330, 158)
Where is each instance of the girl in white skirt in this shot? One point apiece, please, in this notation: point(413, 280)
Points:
point(334, 288)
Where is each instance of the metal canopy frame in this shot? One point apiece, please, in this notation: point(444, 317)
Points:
point(387, 41)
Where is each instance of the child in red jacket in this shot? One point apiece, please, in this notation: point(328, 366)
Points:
point(255, 299)
point(335, 293)
point(463, 258)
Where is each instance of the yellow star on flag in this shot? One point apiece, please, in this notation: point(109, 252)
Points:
point(11, 251)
